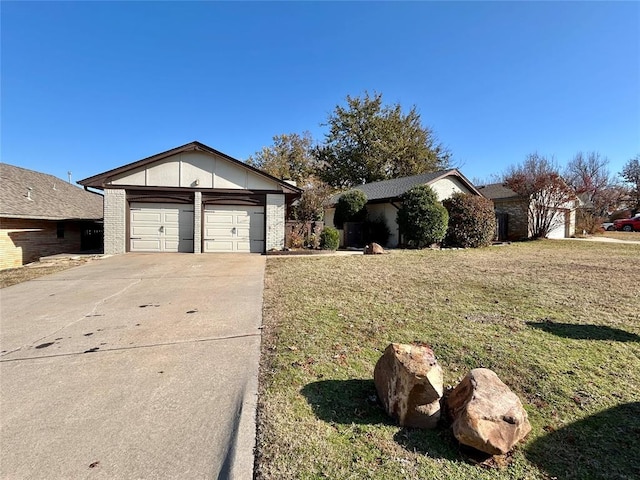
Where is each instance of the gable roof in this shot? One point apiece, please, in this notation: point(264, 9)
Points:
point(100, 180)
point(34, 195)
point(394, 188)
point(497, 191)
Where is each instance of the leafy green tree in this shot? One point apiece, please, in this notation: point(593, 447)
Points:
point(631, 175)
point(350, 208)
point(290, 157)
point(369, 141)
point(472, 221)
point(422, 218)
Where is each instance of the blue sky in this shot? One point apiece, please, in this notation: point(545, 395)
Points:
point(90, 86)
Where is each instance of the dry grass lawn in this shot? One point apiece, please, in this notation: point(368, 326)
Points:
point(558, 321)
point(13, 276)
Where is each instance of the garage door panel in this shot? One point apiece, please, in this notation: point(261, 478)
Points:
point(234, 229)
point(161, 227)
point(218, 246)
point(144, 230)
point(142, 216)
point(144, 245)
point(219, 217)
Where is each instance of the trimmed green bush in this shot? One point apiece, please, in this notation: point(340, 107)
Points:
point(472, 221)
point(350, 208)
point(422, 218)
point(329, 239)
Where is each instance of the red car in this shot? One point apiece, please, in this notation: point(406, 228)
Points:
point(628, 224)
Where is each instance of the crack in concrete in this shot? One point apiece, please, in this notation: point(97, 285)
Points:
point(91, 313)
point(135, 347)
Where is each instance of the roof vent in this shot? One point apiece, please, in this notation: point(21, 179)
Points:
point(29, 189)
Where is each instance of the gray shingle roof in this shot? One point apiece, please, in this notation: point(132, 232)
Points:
point(388, 189)
point(497, 191)
point(50, 198)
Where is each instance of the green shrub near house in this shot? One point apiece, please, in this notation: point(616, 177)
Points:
point(350, 208)
point(376, 230)
point(329, 239)
point(422, 219)
point(472, 221)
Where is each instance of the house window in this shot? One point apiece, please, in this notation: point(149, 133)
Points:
point(60, 230)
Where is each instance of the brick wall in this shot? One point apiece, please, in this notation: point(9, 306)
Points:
point(275, 219)
point(197, 222)
point(23, 241)
point(517, 214)
point(115, 225)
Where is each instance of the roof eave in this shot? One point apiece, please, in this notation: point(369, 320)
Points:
point(99, 181)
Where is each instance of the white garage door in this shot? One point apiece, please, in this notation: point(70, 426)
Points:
point(559, 225)
point(233, 228)
point(161, 227)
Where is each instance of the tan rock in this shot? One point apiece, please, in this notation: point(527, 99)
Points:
point(486, 414)
point(373, 249)
point(410, 384)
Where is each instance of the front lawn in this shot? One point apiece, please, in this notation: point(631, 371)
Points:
point(558, 321)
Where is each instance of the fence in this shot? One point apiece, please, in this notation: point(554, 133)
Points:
point(302, 234)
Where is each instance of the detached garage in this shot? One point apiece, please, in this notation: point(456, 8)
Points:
point(192, 199)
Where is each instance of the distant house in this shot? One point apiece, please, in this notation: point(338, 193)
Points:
point(43, 215)
point(514, 219)
point(383, 199)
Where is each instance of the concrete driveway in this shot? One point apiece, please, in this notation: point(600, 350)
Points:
point(134, 366)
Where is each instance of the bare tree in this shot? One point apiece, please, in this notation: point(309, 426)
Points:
point(538, 180)
point(590, 178)
point(631, 175)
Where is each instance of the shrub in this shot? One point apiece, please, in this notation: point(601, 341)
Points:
point(376, 230)
point(422, 218)
point(329, 239)
point(350, 208)
point(472, 221)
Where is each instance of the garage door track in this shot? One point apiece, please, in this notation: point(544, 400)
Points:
point(134, 366)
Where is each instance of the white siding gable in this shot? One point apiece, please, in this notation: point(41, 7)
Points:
point(196, 170)
point(445, 187)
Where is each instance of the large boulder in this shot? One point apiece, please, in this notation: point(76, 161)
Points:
point(486, 414)
point(410, 384)
point(373, 249)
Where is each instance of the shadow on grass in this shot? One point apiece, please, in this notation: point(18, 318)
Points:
point(602, 446)
point(585, 332)
point(346, 402)
point(356, 402)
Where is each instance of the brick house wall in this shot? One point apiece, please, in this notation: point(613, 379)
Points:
point(23, 240)
point(115, 221)
point(517, 217)
point(275, 210)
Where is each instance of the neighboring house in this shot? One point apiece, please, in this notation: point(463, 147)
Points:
point(383, 198)
point(192, 199)
point(43, 215)
point(513, 217)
